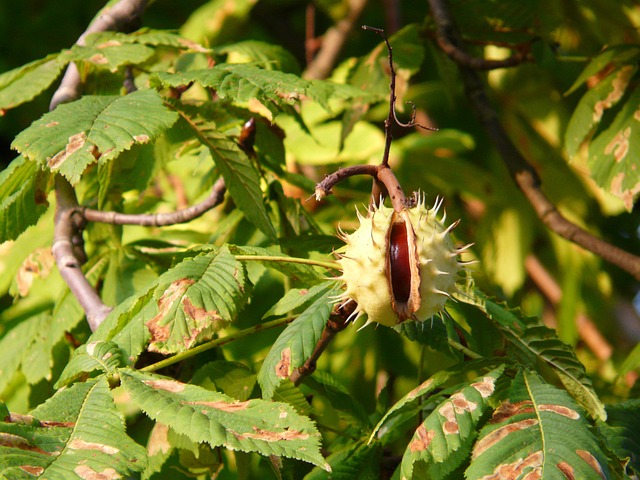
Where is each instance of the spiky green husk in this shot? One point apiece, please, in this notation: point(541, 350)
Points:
point(364, 264)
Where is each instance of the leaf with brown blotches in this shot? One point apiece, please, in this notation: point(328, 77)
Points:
point(269, 428)
point(442, 442)
point(538, 431)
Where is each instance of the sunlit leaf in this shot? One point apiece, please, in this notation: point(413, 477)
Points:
point(94, 356)
point(538, 431)
point(25, 348)
point(594, 104)
point(23, 197)
point(216, 21)
point(92, 129)
point(265, 55)
point(296, 342)
point(268, 428)
point(612, 159)
point(294, 299)
point(247, 83)
point(442, 442)
point(194, 300)
point(78, 433)
point(22, 84)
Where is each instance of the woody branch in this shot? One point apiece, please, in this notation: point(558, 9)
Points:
point(523, 174)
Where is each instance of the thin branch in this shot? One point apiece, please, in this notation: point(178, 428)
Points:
point(392, 117)
point(521, 171)
point(160, 219)
point(116, 17)
point(333, 42)
point(587, 330)
point(451, 44)
point(68, 231)
point(381, 173)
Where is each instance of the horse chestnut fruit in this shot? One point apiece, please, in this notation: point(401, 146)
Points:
point(399, 265)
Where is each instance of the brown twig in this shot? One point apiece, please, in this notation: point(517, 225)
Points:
point(587, 330)
point(67, 235)
point(393, 116)
point(381, 173)
point(337, 322)
point(160, 219)
point(521, 171)
point(333, 42)
point(450, 42)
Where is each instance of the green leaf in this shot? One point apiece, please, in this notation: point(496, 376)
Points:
point(622, 431)
point(23, 197)
point(442, 442)
point(25, 348)
point(532, 343)
point(217, 21)
point(245, 83)
point(89, 357)
point(77, 434)
point(24, 83)
point(593, 105)
point(77, 134)
point(268, 428)
point(405, 407)
point(264, 55)
point(110, 52)
point(124, 325)
point(240, 174)
point(193, 300)
point(296, 342)
point(231, 378)
point(612, 158)
point(616, 56)
point(294, 299)
point(356, 460)
point(537, 431)
point(348, 407)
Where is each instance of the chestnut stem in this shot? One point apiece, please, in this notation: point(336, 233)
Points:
point(381, 173)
